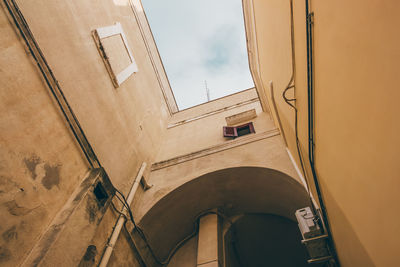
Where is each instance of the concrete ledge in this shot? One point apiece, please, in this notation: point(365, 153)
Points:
point(214, 149)
point(174, 124)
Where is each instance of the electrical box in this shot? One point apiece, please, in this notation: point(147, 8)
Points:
point(308, 227)
point(313, 237)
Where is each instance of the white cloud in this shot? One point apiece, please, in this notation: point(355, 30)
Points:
point(201, 40)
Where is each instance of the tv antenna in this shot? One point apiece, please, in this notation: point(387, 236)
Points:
point(207, 91)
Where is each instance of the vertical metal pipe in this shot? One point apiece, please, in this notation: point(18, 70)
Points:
point(121, 219)
point(310, 89)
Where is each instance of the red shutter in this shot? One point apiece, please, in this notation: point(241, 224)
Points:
point(251, 126)
point(230, 131)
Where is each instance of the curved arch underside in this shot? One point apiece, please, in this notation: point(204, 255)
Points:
point(264, 240)
point(233, 191)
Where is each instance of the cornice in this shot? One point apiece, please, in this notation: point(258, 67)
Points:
point(215, 149)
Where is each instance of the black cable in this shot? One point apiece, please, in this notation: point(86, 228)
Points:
point(139, 230)
point(291, 85)
point(311, 144)
point(117, 211)
point(126, 204)
point(179, 245)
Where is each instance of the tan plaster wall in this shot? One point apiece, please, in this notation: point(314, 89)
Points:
point(123, 254)
point(124, 125)
point(40, 162)
point(186, 256)
point(356, 51)
point(203, 131)
point(267, 153)
point(206, 131)
point(214, 105)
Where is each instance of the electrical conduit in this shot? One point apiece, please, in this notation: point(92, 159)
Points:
point(121, 219)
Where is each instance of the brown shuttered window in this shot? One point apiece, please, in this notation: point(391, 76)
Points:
point(240, 130)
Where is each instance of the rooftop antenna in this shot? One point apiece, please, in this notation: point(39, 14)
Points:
point(207, 91)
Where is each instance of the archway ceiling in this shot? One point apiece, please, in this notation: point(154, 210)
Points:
point(234, 190)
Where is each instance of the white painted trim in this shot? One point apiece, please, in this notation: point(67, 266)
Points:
point(301, 176)
point(123, 75)
point(297, 168)
point(154, 55)
point(108, 31)
point(252, 48)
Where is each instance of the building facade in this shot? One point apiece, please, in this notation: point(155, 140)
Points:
point(98, 166)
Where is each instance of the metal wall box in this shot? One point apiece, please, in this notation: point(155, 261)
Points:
point(313, 238)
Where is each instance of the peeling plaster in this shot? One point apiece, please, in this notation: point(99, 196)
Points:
point(91, 209)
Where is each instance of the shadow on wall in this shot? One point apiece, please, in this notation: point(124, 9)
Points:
point(264, 240)
point(233, 190)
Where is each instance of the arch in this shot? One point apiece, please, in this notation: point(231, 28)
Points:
point(234, 190)
point(264, 240)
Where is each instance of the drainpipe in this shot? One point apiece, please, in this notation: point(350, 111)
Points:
point(311, 130)
point(121, 219)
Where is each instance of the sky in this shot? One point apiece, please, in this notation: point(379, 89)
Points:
point(201, 40)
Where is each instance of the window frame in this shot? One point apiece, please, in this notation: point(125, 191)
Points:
point(108, 31)
point(234, 129)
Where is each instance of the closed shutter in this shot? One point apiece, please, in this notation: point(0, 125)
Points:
point(230, 131)
point(251, 126)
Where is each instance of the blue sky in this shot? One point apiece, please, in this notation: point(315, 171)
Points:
point(201, 40)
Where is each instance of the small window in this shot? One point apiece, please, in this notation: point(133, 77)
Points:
point(240, 130)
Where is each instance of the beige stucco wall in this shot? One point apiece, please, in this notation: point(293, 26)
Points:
point(356, 121)
point(194, 146)
point(268, 153)
point(186, 256)
point(204, 129)
point(356, 50)
point(214, 105)
point(41, 163)
point(123, 124)
point(197, 147)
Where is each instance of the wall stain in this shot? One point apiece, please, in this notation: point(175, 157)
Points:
point(10, 234)
point(91, 209)
point(16, 210)
point(89, 257)
point(5, 254)
point(31, 164)
point(52, 176)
